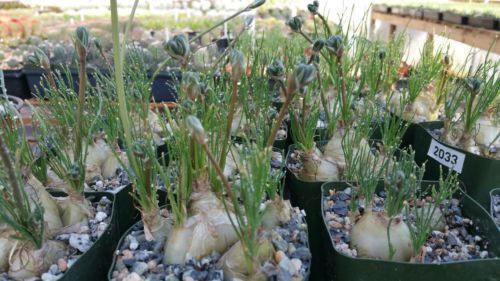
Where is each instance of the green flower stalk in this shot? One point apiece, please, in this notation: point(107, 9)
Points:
point(238, 68)
point(335, 45)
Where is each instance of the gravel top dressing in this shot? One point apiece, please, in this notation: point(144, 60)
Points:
point(139, 259)
point(457, 242)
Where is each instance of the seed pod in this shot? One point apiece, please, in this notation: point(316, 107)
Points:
point(302, 76)
point(238, 64)
point(256, 4)
point(74, 172)
point(97, 44)
point(318, 45)
point(195, 128)
point(82, 37)
point(276, 70)
point(381, 54)
point(473, 84)
point(446, 60)
point(40, 58)
point(295, 24)
point(191, 84)
point(139, 148)
point(177, 47)
point(313, 7)
point(334, 43)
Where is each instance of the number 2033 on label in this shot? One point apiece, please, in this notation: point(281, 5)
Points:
point(446, 156)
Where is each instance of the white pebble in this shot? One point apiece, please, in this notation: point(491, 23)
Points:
point(49, 277)
point(483, 254)
point(80, 241)
point(133, 243)
point(99, 184)
point(100, 216)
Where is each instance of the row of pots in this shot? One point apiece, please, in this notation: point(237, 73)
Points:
point(478, 175)
point(25, 83)
point(482, 21)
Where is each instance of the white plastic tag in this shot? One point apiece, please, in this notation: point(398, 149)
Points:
point(446, 156)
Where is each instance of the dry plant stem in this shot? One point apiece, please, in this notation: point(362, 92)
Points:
point(7, 162)
point(81, 102)
point(324, 102)
point(281, 117)
point(218, 169)
point(232, 109)
point(50, 77)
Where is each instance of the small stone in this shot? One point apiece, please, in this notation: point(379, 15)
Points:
point(62, 265)
point(133, 243)
point(270, 269)
point(171, 277)
point(278, 242)
point(140, 268)
point(483, 254)
point(133, 277)
point(287, 265)
point(80, 241)
point(152, 264)
point(84, 229)
point(53, 269)
point(297, 263)
point(127, 254)
point(49, 277)
point(100, 216)
point(335, 224)
point(279, 256)
point(348, 191)
point(302, 253)
point(99, 184)
point(101, 228)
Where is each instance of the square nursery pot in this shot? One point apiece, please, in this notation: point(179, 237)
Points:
point(164, 88)
point(16, 84)
point(307, 196)
point(94, 263)
point(479, 174)
point(37, 81)
point(343, 267)
point(455, 18)
point(484, 21)
point(430, 14)
point(381, 8)
point(495, 206)
point(163, 203)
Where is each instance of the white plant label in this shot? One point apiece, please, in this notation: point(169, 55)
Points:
point(446, 156)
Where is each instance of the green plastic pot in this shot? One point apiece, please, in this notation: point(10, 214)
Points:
point(93, 264)
point(343, 267)
point(479, 174)
point(494, 192)
point(307, 196)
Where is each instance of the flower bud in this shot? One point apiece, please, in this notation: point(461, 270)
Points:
point(295, 24)
point(82, 37)
point(74, 172)
point(139, 148)
point(256, 4)
point(238, 64)
point(334, 43)
point(446, 60)
point(318, 45)
point(190, 84)
point(276, 70)
point(313, 7)
point(177, 47)
point(196, 129)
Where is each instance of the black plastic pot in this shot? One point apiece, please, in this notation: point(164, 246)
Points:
point(164, 88)
point(94, 263)
point(488, 22)
point(455, 18)
point(16, 84)
point(479, 174)
point(307, 196)
point(37, 81)
point(382, 8)
point(343, 267)
point(430, 14)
